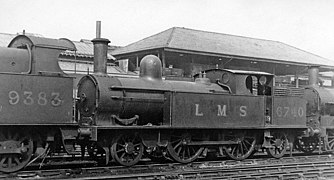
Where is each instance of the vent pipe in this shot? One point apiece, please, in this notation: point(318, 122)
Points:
point(100, 51)
point(98, 29)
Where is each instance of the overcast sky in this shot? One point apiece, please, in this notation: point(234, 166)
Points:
point(305, 24)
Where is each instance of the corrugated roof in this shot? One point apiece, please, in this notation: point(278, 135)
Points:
point(177, 38)
point(84, 49)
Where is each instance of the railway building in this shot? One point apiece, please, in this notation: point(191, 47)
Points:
point(185, 52)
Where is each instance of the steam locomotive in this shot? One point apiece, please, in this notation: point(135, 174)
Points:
point(36, 98)
point(231, 112)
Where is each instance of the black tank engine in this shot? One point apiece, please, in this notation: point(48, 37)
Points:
point(231, 111)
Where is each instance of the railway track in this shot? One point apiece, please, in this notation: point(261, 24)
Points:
point(300, 167)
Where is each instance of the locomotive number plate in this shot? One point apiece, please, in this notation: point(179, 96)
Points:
point(289, 111)
point(28, 98)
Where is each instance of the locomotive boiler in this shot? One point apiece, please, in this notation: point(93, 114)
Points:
point(229, 111)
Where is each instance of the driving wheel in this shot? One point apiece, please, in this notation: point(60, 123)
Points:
point(16, 150)
point(179, 149)
point(307, 145)
point(243, 148)
point(127, 149)
point(279, 144)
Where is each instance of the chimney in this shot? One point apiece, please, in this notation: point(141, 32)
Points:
point(100, 51)
point(313, 75)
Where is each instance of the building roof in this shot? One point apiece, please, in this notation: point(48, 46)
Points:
point(84, 48)
point(225, 45)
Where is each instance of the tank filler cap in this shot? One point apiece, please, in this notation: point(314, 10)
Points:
point(150, 68)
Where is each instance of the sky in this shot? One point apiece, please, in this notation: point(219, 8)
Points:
point(305, 24)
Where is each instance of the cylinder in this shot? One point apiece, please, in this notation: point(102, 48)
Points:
point(313, 73)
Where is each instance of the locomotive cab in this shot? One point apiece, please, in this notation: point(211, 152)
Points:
point(242, 82)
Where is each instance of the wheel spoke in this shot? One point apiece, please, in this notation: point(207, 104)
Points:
point(331, 142)
point(233, 150)
point(10, 162)
point(177, 145)
point(246, 147)
point(2, 161)
point(188, 151)
point(122, 145)
point(121, 150)
point(192, 150)
point(176, 141)
point(249, 141)
point(184, 154)
point(16, 159)
point(241, 149)
point(178, 152)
